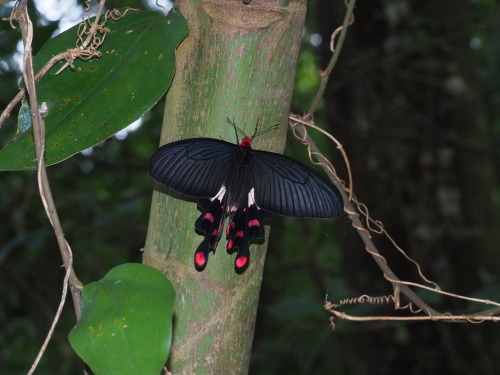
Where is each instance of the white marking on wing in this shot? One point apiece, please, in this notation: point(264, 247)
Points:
point(220, 194)
point(251, 197)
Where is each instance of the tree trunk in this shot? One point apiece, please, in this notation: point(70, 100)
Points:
point(238, 62)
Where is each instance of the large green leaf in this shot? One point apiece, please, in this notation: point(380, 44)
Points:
point(126, 323)
point(101, 96)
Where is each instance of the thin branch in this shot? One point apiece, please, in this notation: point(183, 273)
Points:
point(325, 75)
point(54, 60)
point(374, 226)
point(459, 296)
point(22, 16)
point(294, 119)
point(363, 233)
point(301, 133)
point(298, 124)
point(444, 317)
point(39, 138)
point(55, 320)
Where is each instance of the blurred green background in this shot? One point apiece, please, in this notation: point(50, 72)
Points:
point(415, 101)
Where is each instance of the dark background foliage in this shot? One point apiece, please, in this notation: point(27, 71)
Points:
point(415, 101)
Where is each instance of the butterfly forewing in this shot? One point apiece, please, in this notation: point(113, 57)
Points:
point(196, 167)
point(286, 187)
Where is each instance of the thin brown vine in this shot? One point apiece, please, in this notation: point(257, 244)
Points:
point(356, 209)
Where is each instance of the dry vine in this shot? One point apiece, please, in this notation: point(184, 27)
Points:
point(354, 209)
point(21, 14)
point(94, 34)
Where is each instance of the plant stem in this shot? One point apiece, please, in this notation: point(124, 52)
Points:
point(39, 137)
point(325, 75)
point(228, 67)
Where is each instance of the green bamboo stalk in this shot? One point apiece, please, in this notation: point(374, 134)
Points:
point(238, 62)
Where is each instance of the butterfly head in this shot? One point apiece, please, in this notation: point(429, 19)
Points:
point(246, 142)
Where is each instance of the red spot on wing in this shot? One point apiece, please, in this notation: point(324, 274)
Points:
point(239, 234)
point(200, 259)
point(215, 232)
point(230, 244)
point(241, 261)
point(230, 227)
point(208, 216)
point(254, 223)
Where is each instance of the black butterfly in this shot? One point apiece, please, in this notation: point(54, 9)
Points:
point(247, 185)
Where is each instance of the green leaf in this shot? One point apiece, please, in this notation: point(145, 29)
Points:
point(101, 96)
point(126, 322)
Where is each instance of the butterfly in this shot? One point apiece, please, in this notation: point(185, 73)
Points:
point(248, 186)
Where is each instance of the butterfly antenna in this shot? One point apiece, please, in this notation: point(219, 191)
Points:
point(236, 128)
point(256, 134)
point(256, 127)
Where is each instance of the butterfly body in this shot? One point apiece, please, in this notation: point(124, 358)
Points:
point(246, 185)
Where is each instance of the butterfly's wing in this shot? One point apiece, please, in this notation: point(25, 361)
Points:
point(287, 187)
point(196, 167)
point(211, 223)
point(246, 224)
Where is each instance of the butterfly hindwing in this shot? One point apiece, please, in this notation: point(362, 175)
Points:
point(246, 224)
point(210, 223)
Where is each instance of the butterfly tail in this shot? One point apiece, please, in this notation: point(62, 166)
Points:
point(210, 222)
